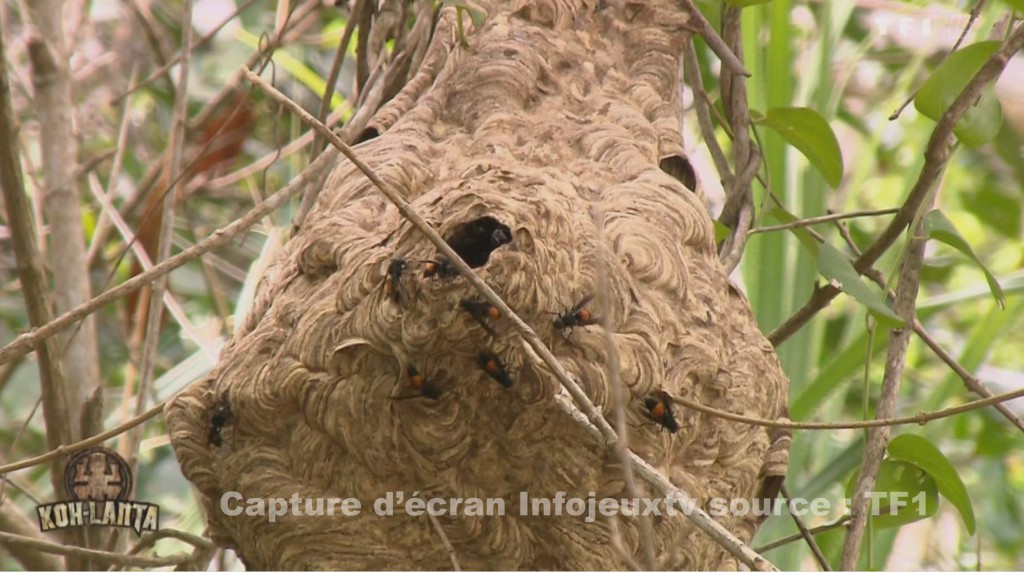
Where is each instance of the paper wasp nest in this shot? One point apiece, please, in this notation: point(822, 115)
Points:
point(555, 109)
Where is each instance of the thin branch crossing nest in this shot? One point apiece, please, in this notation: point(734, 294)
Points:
point(366, 367)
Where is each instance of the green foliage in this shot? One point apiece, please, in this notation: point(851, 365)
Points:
point(982, 191)
point(807, 130)
point(905, 493)
point(939, 227)
point(721, 231)
point(921, 453)
point(835, 266)
point(981, 123)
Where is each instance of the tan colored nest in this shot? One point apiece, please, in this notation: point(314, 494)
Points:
point(557, 108)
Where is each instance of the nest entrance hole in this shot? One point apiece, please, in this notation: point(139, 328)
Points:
point(475, 240)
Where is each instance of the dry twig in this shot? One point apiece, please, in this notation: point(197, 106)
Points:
point(99, 556)
point(920, 419)
point(805, 533)
point(444, 540)
point(619, 391)
point(30, 340)
point(154, 317)
point(729, 59)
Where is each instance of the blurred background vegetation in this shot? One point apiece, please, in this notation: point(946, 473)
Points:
point(853, 61)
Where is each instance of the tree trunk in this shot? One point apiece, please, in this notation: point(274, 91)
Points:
point(553, 109)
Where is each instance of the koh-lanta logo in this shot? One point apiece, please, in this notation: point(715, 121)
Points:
point(98, 482)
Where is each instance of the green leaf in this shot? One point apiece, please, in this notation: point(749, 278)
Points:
point(807, 130)
point(900, 501)
point(835, 266)
point(939, 227)
point(721, 232)
point(921, 453)
point(982, 121)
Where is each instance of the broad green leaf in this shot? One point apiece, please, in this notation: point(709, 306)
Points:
point(921, 453)
point(907, 494)
point(982, 121)
point(1012, 284)
point(807, 130)
point(939, 227)
point(835, 266)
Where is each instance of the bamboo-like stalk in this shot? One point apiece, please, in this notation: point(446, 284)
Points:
point(62, 202)
point(21, 219)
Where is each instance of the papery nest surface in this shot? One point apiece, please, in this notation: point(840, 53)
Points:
point(557, 115)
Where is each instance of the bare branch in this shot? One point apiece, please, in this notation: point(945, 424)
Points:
point(975, 12)
point(332, 77)
point(805, 533)
point(30, 340)
point(14, 522)
point(729, 59)
point(920, 419)
point(811, 221)
point(974, 385)
point(154, 316)
point(211, 106)
point(444, 540)
point(896, 356)
point(103, 221)
point(619, 390)
point(738, 211)
point(99, 556)
point(65, 450)
point(162, 70)
point(691, 70)
point(794, 537)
